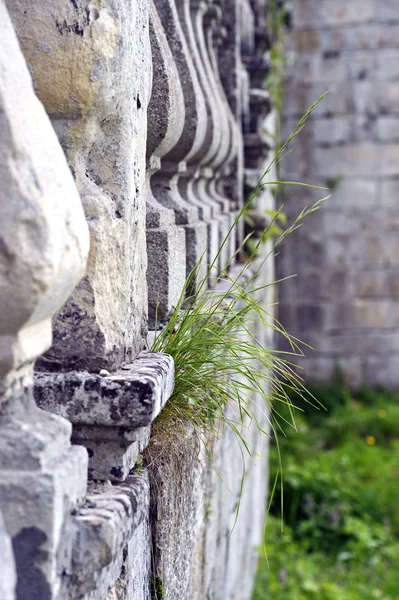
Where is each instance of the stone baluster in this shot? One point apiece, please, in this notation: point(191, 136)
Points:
point(225, 58)
point(91, 68)
point(98, 108)
point(171, 221)
point(43, 250)
point(255, 43)
point(206, 186)
point(194, 187)
point(183, 160)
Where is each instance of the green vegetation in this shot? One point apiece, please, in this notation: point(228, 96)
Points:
point(274, 81)
point(333, 182)
point(275, 220)
point(340, 538)
point(219, 362)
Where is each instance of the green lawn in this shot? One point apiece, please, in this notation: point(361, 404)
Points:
point(340, 538)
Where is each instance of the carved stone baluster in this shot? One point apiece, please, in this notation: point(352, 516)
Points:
point(229, 70)
point(194, 188)
point(255, 44)
point(202, 14)
point(99, 111)
point(91, 69)
point(191, 146)
point(166, 244)
point(229, 179)
point(43, 251)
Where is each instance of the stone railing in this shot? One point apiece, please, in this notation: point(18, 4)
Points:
point(153, 104)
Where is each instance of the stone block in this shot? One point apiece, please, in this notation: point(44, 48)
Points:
point(371, 284)
point(40, 534)
point(386, 11)
point(130, 397)
point(306, 40)
point(111, 459)
point(371, 250)
point(101, 532)
point(332, 13)
point(310, 317)
point(332, 131)
point(8, 577)
point(176, 500)
point(381, 371)
point(388, 37)
point(166, 272)
point(388, 97)
point(363, 98)
point(371, 313)
point(353, 160)
point(387, 68)
point(360, 37)
point(357, 195)
point(323, 369)
point(338, 282)
point(392, 284)
point(309, 285)
point(388, 193)
point(111, 413)
point(337, 13)
point(389, 160)
point(387, 129)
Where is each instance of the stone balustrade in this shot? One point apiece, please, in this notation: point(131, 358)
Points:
point(137, 127)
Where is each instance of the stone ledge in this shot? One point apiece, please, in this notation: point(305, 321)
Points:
point(131, 397)
point(111, 413)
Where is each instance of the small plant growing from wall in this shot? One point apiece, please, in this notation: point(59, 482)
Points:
point(278, 20)
point(219, 363)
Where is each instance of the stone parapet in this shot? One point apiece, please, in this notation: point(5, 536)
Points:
point(130, 133)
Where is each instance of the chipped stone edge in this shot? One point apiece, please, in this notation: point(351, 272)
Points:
point(92, 399)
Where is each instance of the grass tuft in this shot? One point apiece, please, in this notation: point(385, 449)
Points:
point(224, 376)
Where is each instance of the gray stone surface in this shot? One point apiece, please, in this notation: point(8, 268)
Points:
point(111, 413)
point(154, 102)
point(94, 83)
point(102, 530)
point(8, 577)
point(43, 251)
point(344, 298)
point(130, 397)
point(44, 238)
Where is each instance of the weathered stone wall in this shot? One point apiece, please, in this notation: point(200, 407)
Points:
point(137, 127)
point(345, 300)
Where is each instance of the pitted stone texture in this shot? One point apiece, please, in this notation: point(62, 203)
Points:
point(113, 451)
point(102, 531)
point(41, 533)
point(199, 549)
point(44, 237)
point(8, 577)
point(111, 414)
point(43, 250)
point(130, 397)
point(175, 482)
point(166, 273)
point(91, 67)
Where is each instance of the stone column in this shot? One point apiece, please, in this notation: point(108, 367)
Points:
point(91, 68)
point(43, 251)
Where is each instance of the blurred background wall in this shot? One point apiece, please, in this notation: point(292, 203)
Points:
point(345, 300)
